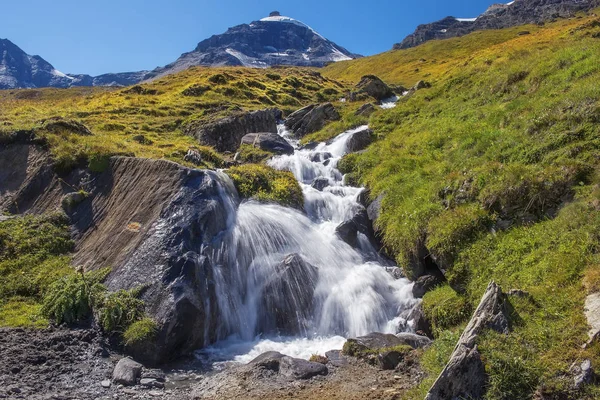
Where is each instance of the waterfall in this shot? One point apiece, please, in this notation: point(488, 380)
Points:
point(285, 281)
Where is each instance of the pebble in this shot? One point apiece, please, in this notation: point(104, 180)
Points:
point(105, 383)
point(155, 393)
point(147, 381)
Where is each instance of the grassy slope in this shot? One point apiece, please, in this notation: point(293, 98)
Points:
point(508, 134)
point(159, 110)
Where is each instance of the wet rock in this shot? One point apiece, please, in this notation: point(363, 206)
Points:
point(464, 375)
point(348, 230)
point(269, 142)
point(194, 157)
point(365, 110)
point(319, 157)
point(127, 372)
point(413, 340)
point(288, 298)
point(226, 134)
point(420, 323)
point(425, 283)
point(374, 87)
point(360, 140)
point(311, 118)
point(320, 183)
point(374, 209)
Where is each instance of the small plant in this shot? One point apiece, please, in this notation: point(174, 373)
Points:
point(140, 331)
point(119, 310)
point(319, 359)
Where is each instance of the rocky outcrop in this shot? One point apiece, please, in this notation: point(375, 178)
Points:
point(227, 133)
point(498, 16)
point(374, 87)
point(271, 142)
point(360, 140)
point(464, 376)
point(365, 110)
point(287, 299)
point(592, 313)
point(311, 118)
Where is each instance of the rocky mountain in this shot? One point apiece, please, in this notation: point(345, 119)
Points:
point(21, 70)
point(497, 16)
point(274, 40)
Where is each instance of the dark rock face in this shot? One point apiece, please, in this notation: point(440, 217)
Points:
point(349, 229)
point(365, 110)
point(287, 300)
point(311, 118)
point(425, 283)
point(320, 183)
point(269, 142)
point(227, 133)
point(360, 140)
point(275, 40)
point(420, 323)
point(374, 87)
point(498, 16)
point(464, 376)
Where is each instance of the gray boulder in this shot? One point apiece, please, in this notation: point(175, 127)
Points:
point(420, 322)
point(311, 118)
point(226, 134)
point(193, 156)
point(287, 300)
point(425, 283)
point(464, 376)
point(269, 142)
point(127, 372)
point(286, 366)
point(360, 140)
point(413, 340)
point(592, 314)
point(374, 87)
point(365, 110)
point(320, 183)
point(376, 348)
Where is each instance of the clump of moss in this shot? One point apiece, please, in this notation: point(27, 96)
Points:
point(252, 154)
point(445, 308)
point(318, 359)
point(140, 332)
point(264, 183)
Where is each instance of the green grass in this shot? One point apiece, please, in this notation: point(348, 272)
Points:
point(140, 332)
point(495, 170)
point(264, 183)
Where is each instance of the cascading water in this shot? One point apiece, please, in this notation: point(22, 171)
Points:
point(285, 281)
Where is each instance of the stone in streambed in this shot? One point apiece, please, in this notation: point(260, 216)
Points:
point(127, 372)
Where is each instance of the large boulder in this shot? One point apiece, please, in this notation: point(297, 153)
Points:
point(269, 142)
point(384, 350)
point(374, 87)
point(294, 368)
point(464, 376)
point(311, 118)
point(360, 140)
point(287, 298)
point(226, 134)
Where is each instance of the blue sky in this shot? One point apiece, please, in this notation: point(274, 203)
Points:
point(98, 36)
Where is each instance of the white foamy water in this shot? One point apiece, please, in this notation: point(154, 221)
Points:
point(308, 308)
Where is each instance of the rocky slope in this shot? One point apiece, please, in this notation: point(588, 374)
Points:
point(497, 16)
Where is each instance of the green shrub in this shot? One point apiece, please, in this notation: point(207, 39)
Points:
point(140, 331)
point(445, 308)
point(252, 154)
point(119, 310)
point(267, 184)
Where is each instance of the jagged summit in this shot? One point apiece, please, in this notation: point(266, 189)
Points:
point(497, 16)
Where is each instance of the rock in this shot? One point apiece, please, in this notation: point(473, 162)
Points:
point(377, 348)
point(374, 209)
point(464, 375)
point(374, 87)
point(320, 183)
point(301, 369)
point(359, 223)
point(287, 300)
point(420, 322)
point(320, 157)
point(155, 374)
point(425, 283)
point(71, 200)
point(592, 314)
point(374, 341)
point(105, 383)
point(583, 374)
point(336, 358)
point(395, 272)
point(311, 118)
point(360, 140)
point(147, 382)
point(194, 157)
point(127, 372)
point(290, 367)
point(269, 142)
point(389, 359)
point(413, 340)
point(421, 85)
point(365, 110)
point(226, 134)
point(59, 124)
